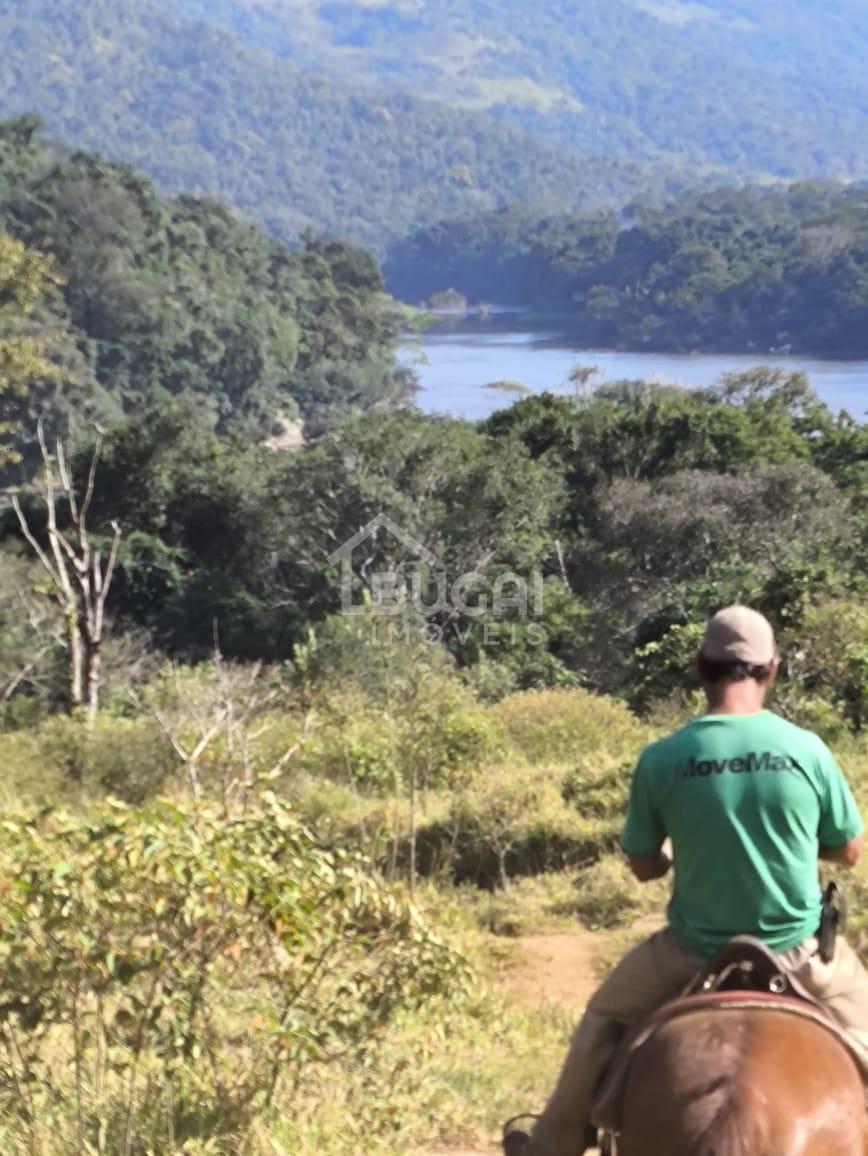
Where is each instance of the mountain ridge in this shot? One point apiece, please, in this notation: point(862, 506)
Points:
point(199, 111)
point(773, 87)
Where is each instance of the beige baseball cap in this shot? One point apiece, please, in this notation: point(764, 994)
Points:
point(739, 634)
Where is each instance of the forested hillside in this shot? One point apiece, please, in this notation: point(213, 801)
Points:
point(773, 86)
point(154, 300)
point(200, 111)
point(729, 270)
point(369, 120)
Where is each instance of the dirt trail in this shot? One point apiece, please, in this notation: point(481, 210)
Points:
point(556, 969)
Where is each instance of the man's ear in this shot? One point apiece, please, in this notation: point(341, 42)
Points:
point(774, 667)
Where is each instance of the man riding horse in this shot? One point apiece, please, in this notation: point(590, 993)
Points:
point(750, 803)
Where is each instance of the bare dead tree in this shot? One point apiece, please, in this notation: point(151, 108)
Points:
point(81, 575)
point(231, 712)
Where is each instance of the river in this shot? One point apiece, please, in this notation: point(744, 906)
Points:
point(456, 360)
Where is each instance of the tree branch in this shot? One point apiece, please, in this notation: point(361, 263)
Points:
point(32, 543)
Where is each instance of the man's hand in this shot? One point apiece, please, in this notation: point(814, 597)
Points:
point(649, 867)
point(846, 856)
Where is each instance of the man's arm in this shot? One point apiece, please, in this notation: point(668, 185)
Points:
point(840, 830)
point(647, 868)
point(847, 855)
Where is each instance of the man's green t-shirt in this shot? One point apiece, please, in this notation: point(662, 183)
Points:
point(748, 800)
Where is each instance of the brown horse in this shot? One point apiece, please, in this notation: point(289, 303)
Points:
point(745, 1082)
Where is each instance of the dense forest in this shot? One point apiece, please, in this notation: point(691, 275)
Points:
point(200, 111)
point(154, 300)
point(729, 270)
point(195, 340)
point(768, 86)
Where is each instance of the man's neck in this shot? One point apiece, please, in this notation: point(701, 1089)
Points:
point(736, 698)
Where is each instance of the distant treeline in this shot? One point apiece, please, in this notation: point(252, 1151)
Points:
point(729, 270)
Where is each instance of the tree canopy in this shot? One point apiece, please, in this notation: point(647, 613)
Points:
point(157, 300)
point(24, 276)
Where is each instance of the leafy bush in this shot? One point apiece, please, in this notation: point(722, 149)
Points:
point(166, 971)
point(434, 736)
point(564, 724)
point(340, 815)
point(509, 823)
point(663, 667)
point(828, 655)
point(64, 760)
point(599, 788)
point(354, 742)
point(447, 735)
point(608, 895)
point(825, 718)
point(128, 758)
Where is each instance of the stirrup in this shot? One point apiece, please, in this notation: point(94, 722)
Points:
point(516, 1140)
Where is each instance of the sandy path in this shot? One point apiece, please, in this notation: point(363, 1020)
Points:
point(554, 969)
point(547, 969)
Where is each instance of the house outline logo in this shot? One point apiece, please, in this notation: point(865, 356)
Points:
point(344, 555)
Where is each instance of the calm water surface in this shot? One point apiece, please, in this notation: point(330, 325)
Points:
point(456, 360)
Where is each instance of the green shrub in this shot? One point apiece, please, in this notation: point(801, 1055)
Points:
point(65, 761)
point(28, 775)
point(437, 736)
point(352, 741)
point(342, 816)
point(447, 736)
point(817, 714)
point(167, 971)
point(598, 788)
point(662, 668)
point(608, 895)
point(828, 656)
point(125, 757)
point(510, 823)
point(565, 724)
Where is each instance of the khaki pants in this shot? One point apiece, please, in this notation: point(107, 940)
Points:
point(653, 972)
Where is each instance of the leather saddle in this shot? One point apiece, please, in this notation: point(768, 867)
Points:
point(743, 974)
point(745, 964)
